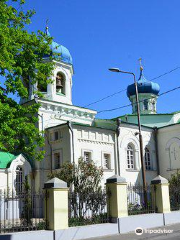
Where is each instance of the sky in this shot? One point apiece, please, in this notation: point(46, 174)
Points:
point(101, 34)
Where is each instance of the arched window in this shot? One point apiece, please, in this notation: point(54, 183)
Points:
point(153, 106)
point(60, 83)
point(19, 180)
point(130, 157)
point(147, 159)
point(145, 104)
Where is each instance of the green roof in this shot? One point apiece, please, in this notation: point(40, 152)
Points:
point(170, 125)
point(147, 114)
point(6, 159)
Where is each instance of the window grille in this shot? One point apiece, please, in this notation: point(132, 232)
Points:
point(130, 157)
point(87, 156)
point(106, 162)
point(19, 180)
point(147, 159)
point(57, 160)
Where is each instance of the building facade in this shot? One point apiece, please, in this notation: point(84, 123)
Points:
point(72, 132)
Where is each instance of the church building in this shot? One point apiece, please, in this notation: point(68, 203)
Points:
point(72, 132)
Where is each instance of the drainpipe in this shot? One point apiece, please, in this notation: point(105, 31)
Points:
point(156, 148)
point(117, 136)
point(42, 129)
point(47, 137)
point(72, 135)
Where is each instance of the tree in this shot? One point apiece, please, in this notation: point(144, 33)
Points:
point(86, 193)
point(83, 177)
point(21, 61)
point(174, 190)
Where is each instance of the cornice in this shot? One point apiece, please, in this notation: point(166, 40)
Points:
point(60, 111)
point(96, 142)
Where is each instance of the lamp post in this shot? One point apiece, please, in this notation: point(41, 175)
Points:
point(140, 134)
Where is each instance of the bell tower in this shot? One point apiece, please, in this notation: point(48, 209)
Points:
point(60, 90)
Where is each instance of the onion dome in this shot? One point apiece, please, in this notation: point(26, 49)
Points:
point(58, 51)
point(144, 86)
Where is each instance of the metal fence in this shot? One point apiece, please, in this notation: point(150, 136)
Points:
point(136, 203)
point(174, 193)
point(21, 212)
point(87, 208)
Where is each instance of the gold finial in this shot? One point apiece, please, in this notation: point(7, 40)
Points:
point(140, 63)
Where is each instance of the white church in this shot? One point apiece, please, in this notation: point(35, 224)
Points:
point(72, 132)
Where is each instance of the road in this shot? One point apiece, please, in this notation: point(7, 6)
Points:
point(174, 235)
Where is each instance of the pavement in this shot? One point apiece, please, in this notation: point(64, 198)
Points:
point(170, 232)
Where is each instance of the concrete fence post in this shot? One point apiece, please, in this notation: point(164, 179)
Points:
point(56, 206)
point(160, 192)
point(116, 187)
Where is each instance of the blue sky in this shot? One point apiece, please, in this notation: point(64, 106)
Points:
point(102, 34)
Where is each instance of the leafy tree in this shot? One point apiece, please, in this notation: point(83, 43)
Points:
point(86, 193)
point(174, 190)
point(82, 177)
point(21, 61)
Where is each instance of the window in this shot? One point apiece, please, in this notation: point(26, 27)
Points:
point(57, 160)
point(19, 180)
point(60, 83)
point(153, 106)
point(130, 157)
point(87, 156)
point(106, 161)
point(145, 104)
point(56, 136)
point(147, 159)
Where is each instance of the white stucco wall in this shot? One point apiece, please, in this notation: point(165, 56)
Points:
point(62, 145)
point(169, 150)
point(99, 141)
point(3, 177)
point(127, 136)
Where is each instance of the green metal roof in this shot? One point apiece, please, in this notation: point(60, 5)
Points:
point(6, 159)
point(170, 125)
point(153, 114)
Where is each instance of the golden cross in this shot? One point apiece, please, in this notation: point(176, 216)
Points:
point(47, 21)
point(140, 63)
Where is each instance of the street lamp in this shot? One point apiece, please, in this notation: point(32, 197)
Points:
point(140, 134)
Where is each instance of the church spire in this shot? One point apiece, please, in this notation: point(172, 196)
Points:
point(47, 28)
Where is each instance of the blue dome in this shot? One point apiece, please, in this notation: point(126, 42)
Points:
point(60, 52)
point(144, 86)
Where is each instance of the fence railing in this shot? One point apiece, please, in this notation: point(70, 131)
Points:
point(21, 212)
point(136, 203)
point(87, 208)
point(174, 193)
